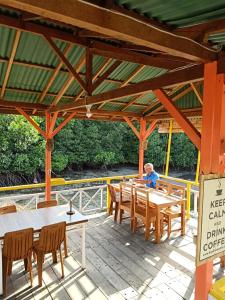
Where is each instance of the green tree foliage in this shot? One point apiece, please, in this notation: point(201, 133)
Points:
point(84, 144)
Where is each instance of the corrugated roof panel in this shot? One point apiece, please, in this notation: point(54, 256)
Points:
point(188, 101)
point(113, 107)
point(148, 73)
point(123, 71)
point(35, 49)
point(147, 99)
point(20, 97)
point(3, 67)
point(48, 100)
point(134, 109)
point(105, 86)
point(59, 81)
point(176, 12)
point(7, 38)
point(28, 78)
point(75, 54)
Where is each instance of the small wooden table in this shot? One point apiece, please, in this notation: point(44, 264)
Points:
point(36, 219)
point(160, 201)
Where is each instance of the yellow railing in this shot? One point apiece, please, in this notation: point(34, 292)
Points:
point(61, 181)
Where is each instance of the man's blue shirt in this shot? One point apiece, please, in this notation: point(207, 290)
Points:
point(153, 176)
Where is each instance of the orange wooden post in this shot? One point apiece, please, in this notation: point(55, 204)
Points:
point(213, 133)
point(48, 159)
point(141, 146)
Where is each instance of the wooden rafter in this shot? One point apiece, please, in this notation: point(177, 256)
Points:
point(32, 122)
point(119, 53)
point(100, 80)
point(194, 73)
point(88, 16)
point(10, 63)
point(150, 129)
point(64, 122)
point(89, 75)
point(184, 123)
point(69, 81)
point(9, 103)
point(131, 125)
point(127, 81)
point(55, 73)
point(66, 62)
point(197, 93)
point(157, 106)
point(105, 64)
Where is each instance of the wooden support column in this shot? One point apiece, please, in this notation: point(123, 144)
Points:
point(141, 146)
point(48, 158)
point(142, 137)
point(212, 152)
point(168, 148)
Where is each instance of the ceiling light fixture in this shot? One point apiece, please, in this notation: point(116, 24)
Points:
point(88, 113)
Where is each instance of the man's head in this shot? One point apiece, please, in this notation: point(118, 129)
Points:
point(148, 168)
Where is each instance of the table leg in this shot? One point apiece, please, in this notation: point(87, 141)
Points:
point(182, 219)
point(1, 283)
point(157, 229)
point(83, 254)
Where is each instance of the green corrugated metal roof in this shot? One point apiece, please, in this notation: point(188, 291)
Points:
point(35, 49)
point(177, 12)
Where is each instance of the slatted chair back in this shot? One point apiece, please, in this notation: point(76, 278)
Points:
point(7, 209)
point(163, 186)
point(112, 192)
point(142, 200)
point(177, 191)
point(49, 203)
point(51, 237)
point(126, 192)
point(18, 244)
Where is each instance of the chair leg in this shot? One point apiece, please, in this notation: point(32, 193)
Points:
point(222, 261)
point(120, 215)
point(111, 208)
point(147, 231)
point(61, 260)
point(116, 211)
point(54, 257)
point(25, 264)
point(40, 257)
point(9, 268)
point(161, 227)
point(30, 269)
point(65, 246)
point(169, 226)
point(4, 274)
point(134, 225)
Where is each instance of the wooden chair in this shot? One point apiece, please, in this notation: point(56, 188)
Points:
point(163, 186)
point(114, 201)
point(126, 201)
point(175, 211)
point(50, 240)
point(51, 203)
point(144, 210)
point(16, 245)
point(7, 209)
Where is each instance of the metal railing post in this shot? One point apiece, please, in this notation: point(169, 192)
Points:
point(108, 198)
point(188, 208)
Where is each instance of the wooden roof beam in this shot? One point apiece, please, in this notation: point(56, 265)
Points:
point(117, 25)
point(119, 53)
point(10, 62)
point(184, 123)
point(8, 103)
point(191, 74)
point(197, 93)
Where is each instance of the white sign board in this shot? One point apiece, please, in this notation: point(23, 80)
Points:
point(211, 223)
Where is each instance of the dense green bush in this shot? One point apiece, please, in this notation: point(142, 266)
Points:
point(83, 144)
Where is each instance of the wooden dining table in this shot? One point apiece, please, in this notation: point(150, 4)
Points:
point(38, 218)
point(161, 201)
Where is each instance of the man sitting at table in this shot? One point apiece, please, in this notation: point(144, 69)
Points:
point(150, 177)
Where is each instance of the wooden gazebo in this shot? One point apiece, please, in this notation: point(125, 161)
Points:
point(124, 60)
